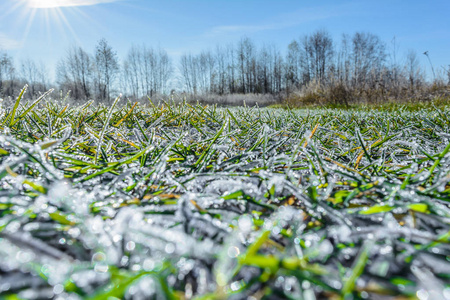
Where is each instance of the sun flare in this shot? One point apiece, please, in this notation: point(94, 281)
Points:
point(63, 3)
point(48, 3)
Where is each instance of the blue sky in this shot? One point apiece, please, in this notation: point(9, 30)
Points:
point(43, 29)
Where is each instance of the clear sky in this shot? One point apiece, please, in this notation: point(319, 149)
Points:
point(43, 29)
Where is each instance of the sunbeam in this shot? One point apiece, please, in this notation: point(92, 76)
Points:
point(50, 17)
point(29, 23)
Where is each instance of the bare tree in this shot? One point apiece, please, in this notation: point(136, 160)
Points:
point(343, 64)
point(264, 71)
point(203, 72)
point(107, 67)
point(316, 55)
point(146, 71)
point(132, 71)
point(247, 65)
point(75, 73)
point(232, 69)
point(221, 60)
point(164, 71)
point(29, 73)
point(7, 75)
point(305, 60)
point(35, 75)
point(413, 71)
point(293, 67)
point(321, 46)
point(188, 70)
point(277, 72)
point(368, 56)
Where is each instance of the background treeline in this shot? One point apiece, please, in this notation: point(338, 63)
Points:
point(313, 68)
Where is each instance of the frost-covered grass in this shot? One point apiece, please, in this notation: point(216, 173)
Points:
point(184, 202)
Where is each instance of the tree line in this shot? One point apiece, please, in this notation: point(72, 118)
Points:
point(360, 62)
point(100, 75)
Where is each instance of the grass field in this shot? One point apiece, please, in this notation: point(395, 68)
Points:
point(179, 201)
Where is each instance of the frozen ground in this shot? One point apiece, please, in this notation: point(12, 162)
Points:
point(180, 201)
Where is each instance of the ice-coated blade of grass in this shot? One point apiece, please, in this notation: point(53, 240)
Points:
point(118, 164)
point(28, 109)
point(214, 139)
point(102, 134)
point(357, 270)
point(12, 114)
point(127, 115)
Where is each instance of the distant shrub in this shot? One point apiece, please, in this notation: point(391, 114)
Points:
point(303, 99)
point(229, 99)
point(340, 94)
point(315, 93)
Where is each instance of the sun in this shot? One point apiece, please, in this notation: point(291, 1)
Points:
point(49, 3)
point(63, 3)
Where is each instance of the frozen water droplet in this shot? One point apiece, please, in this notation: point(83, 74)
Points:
point(233, 252)
point(130, 246)
point(58, 289)
point(170, 248)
